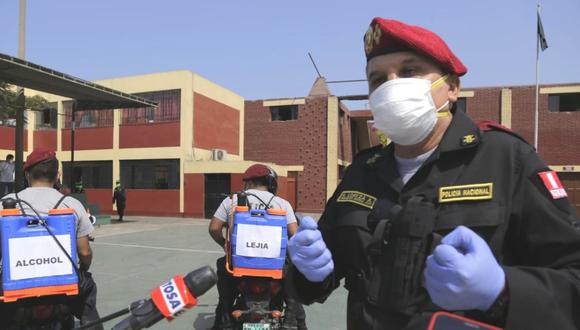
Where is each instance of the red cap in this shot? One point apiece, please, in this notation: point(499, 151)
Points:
point(38, 156)
point(388, 36)
point(256, 171)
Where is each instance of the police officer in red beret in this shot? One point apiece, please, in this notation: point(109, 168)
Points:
point(42, 172)
point(452, 215)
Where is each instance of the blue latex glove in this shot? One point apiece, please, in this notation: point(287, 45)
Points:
point(462, 273)
point(309, 253)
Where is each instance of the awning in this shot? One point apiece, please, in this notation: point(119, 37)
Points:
point(88, 95)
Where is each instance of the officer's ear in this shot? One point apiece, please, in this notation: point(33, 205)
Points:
point(454, 87)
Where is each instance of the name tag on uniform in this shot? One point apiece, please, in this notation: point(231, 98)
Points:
point(469, 192)
point(357, 197)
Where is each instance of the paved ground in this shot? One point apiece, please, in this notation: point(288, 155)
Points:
point(137, 255)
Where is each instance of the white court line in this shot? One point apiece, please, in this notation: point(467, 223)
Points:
point(158, 248)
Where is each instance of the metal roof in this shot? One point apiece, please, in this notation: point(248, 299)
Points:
point(88, 95)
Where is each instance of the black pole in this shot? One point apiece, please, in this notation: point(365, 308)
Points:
point(315, 67)
point(19, 139)
point(72, 146)
point(104, 319)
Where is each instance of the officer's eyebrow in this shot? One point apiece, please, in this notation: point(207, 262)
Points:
point(411, 60)
point(374, 74)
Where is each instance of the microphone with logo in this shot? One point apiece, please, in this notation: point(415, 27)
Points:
point(169, 300)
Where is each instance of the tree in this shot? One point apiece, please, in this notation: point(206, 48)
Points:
point(8, 105)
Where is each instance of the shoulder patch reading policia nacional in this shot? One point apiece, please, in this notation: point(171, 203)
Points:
point(469, 192)
point(552, 182)
point(357, 197)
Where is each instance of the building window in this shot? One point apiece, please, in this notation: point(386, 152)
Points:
point(87, 118)
point(95, 175)
point(168, 108)
point(568, 102)
point(150, 174)
point(461, 104)
point(284, 112)
point(47, 117)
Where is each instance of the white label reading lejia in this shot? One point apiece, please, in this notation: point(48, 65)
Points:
point(258, 241)
point(40, 256)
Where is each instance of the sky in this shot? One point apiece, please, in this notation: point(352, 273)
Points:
point(259, 49)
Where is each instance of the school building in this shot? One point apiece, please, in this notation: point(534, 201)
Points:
point(181, 157)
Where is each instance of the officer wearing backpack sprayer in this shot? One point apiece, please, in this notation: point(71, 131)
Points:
point(41, 170)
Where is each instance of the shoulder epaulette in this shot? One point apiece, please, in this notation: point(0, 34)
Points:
point(490, 125)
point(369, 155)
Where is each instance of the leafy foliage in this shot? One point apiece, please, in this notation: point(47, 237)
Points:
point(8, 105)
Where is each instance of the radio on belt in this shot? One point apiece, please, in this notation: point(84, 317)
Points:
point(33, 265)
point(259, 240)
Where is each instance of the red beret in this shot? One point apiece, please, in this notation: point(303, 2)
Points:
point(38, 156)
point(388, 36)
point(256, 171)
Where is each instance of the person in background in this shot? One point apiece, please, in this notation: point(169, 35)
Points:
point(7, 175)
point(79, 187)
point(120, 198)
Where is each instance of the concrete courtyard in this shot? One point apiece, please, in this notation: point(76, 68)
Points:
point(133, 257)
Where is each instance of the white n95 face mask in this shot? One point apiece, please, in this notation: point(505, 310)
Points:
point(404, 109)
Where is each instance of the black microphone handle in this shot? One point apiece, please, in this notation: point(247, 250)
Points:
point(144, 313)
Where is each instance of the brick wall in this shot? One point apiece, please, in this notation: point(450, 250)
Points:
point(344, 136)
point(194, 195)
point(46, 139)
point(8, 140)
point(88, 138)
point(215, 125)
point(149, 135)
point(296, 142)
point(559, 132)
point(485, 105)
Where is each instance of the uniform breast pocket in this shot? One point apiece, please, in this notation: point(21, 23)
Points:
point(482, 217)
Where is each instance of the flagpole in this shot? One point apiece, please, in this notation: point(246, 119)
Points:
point(537, 80)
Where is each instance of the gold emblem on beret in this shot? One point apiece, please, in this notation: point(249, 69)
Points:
point(372, 38)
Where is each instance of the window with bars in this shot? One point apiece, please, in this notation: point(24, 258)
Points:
point(97, 174)
point(284, 112)
point(87, 118)
point(47, 117)
point(150, 174)
point(168, 108)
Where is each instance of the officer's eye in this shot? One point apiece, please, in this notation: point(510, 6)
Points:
point(376, 81)
point(410, 71)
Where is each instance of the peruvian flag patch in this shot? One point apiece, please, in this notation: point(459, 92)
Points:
point(552, 182)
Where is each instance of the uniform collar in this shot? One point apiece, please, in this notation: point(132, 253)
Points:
point(386, 167)
point(462, 133)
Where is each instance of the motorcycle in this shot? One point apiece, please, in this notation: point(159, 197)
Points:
point(44, 313)
point(259, 304)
